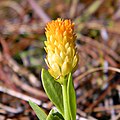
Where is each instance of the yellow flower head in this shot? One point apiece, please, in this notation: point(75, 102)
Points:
point(61, 56)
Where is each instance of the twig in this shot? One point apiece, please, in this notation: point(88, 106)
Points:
point(83, 114)
point(17, 68)
point(98, 45)
point(16, 28)
point(73, 8)
point(3, 112)
point(28, 88)
point(2, 117)
point(10, 109)
point(98, 109)
point(117, 117)
point(86, 94)
point(94, 52)
point(4, 46)
point(5, 78)
point(39, 11)
point(95, 70)
point(97, 25)
point(101, 97)
point(14, 5)
point(22, 71)
point(19, 95)
point(91, 9)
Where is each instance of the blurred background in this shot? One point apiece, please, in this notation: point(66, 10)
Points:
point(97, 79)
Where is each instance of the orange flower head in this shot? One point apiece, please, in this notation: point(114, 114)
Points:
point(61, 56)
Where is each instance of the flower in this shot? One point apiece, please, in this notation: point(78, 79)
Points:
point(61, 56)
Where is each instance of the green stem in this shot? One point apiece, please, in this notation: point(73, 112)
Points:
point(65, 101)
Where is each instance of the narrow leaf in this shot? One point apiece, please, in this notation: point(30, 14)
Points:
point(39, 112)
point(53, 90)
point(53, 115)
point(71, 97)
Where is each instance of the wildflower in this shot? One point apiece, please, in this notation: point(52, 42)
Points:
point(61, 56)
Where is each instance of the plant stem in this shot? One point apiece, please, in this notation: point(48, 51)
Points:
point(65, 101)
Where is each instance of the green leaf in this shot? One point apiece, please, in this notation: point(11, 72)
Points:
point(53, 115)
point(39, 112)
point(53, 90)
point(58, 114)
point(71, 98)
